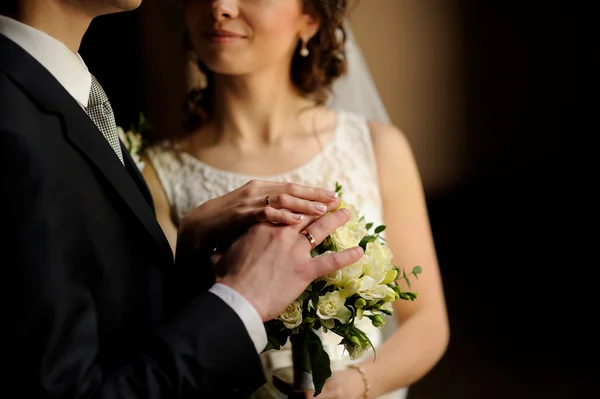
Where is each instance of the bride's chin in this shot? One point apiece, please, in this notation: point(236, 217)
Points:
point(226, 68)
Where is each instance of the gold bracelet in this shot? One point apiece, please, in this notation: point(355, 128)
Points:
point(364, 378)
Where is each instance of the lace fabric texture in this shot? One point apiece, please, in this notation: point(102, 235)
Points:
point(348, 158)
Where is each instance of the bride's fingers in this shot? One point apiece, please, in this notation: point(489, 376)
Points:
point(301, 191)
point(263, 188)
point(278, 216)
point(294, 204)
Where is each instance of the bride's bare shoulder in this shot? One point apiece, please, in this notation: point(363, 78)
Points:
point(388, 140)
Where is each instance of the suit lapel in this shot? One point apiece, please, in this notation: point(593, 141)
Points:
point(137, 177)
point(44, 89)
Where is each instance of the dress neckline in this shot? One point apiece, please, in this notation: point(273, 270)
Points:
point(326, 148)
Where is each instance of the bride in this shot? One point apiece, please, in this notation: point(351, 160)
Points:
point(265, 112)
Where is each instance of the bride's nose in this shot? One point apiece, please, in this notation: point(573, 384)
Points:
point(224, 9)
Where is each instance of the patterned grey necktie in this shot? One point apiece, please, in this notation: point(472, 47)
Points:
point(101, 113)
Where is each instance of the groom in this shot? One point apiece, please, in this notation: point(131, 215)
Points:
point(86, 267)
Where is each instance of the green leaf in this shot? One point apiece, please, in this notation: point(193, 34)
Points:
point(300, 353)
point(380, 229)
point(304, 296)
point(351, 308)
point(274, 343)
point(369, 225)
point(319, 285)
point(314, 297)
point(277, 334)
point(367, 239)
point(319, 361)
point(417, 270)
point(405, 278)
point(408, 296)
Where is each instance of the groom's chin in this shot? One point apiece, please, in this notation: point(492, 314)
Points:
point(128, 5)
point(122, 5)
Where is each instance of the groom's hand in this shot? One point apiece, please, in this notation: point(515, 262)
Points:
point(271, 265)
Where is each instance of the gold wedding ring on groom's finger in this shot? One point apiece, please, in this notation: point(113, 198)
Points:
point(309, 237)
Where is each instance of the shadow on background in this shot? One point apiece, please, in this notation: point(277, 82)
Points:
point(515, 300)
point(515, 289)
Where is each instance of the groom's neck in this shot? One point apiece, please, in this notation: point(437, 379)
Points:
point(66, 21)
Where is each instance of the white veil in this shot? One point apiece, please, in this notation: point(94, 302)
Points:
point(356, 91)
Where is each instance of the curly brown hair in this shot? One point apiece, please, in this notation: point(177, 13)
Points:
point(313, 75)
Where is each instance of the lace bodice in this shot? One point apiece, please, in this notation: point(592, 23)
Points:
point(348, 158)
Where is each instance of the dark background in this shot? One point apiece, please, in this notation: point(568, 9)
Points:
point(517, 281)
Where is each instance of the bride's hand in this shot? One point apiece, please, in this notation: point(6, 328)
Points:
point(343, 384)
point(219, 221)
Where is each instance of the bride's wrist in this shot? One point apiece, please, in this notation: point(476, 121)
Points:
point(366, 393)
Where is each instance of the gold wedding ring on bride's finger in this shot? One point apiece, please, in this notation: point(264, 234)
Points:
point(309, 237)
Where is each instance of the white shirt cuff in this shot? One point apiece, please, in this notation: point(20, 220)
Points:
point(246, 312)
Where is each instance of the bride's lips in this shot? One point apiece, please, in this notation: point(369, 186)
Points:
point(222, 36)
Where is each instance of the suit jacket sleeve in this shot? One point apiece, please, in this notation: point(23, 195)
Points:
point(203, 351)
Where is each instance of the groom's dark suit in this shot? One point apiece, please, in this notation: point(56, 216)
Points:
point(85, 262)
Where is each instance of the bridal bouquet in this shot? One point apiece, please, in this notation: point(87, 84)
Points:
point(333, 302)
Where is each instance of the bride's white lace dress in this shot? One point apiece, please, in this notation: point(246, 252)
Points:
point(347, 158)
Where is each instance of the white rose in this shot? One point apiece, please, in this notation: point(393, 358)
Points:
point(353, 271)
point(345, 238)
point(378, 261)
point(375, 270)
point(331, 306)
point(369, 290)
point(379, 252)
point(333, 278)
point(292, 315)
point(351, 233)
point(340, 278)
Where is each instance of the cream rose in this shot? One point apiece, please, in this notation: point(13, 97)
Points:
point(370, 290)
point(379, 252)
point(355, 270)
point(351, 233)
point(375, 270)
point(292, 315)
point(331, 306)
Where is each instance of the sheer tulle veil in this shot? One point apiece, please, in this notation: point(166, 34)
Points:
point(356, 91)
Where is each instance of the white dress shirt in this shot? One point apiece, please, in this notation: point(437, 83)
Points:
point(71, 72)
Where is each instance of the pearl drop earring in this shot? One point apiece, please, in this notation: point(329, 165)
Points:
point(304, 51)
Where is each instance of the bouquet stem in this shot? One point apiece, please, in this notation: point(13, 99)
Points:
point(301, 365)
